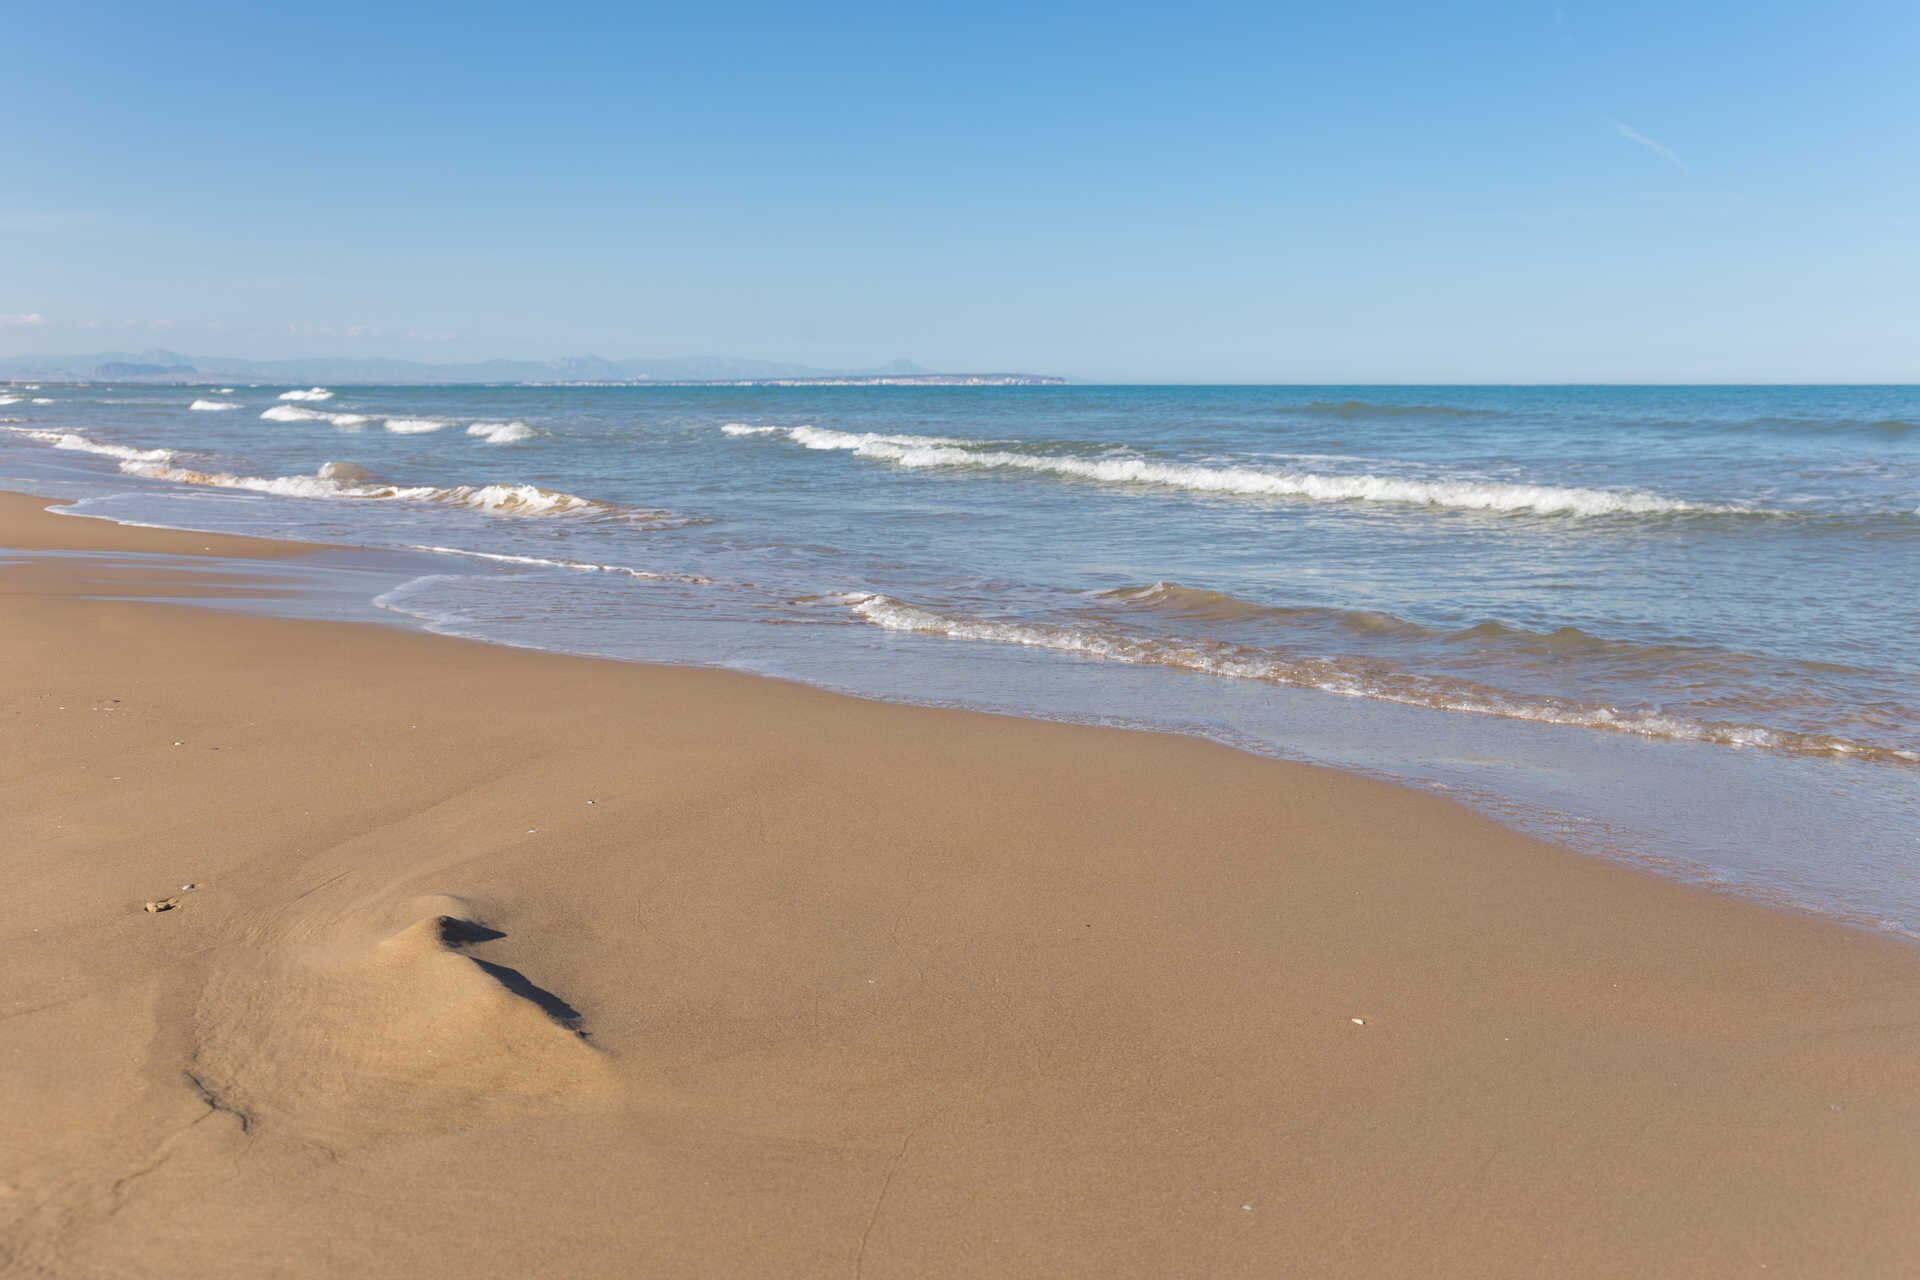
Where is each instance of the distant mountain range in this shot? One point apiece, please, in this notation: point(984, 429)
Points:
point(170, 366)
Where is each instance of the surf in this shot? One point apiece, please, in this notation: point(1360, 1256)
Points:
point(1137, 472)
point(1353, 677)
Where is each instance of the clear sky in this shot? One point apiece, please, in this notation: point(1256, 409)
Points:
point(1328, 192)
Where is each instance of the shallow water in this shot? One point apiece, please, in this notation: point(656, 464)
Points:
point(1669, 623)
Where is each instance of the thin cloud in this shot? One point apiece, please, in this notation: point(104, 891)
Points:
point(1634, 135)
point(26, 320)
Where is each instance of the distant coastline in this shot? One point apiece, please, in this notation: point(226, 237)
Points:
point(170, 368)
point(875, 380)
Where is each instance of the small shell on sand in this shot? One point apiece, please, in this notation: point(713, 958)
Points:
point(164, 904)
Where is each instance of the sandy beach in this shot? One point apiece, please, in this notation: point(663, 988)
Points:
point(503, 964)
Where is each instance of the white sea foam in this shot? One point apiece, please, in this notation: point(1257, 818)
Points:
point(43, 400)
point(11, 399)
point(223, 391)
point(518, 500)
point(344, 480)
point(214, 406)
point(577, 566)
point(311, 393)
point(78, 443)
point(496, 433)
point(324, 484)
point(822, 438)
point(398, 599)
point(291, 413)
point(1464, 494)
point(1353, 678)
point(501, 432)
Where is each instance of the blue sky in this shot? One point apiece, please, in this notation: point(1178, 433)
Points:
point(1277, 192)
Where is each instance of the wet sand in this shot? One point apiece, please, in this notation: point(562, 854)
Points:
point(505, 964)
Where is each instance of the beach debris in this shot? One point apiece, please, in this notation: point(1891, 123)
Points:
point(188, 887)
point(163, 904)
point(1358, 1022)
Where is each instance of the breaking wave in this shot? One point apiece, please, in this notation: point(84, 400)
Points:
point(1138, 472)
point(821, 438)
point(311, 393)
point(213, 406)
point(77, 443)
point(501, 432)
point(346, 480)
point(491, 432)
point(1353, 677)
point(291, 413)
point(1559, 653)
point(1174, 600)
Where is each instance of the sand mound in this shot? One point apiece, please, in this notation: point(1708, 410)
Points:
point(338, 1035)
point(456, 996)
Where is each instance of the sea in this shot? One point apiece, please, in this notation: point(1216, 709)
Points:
point(1678, 626)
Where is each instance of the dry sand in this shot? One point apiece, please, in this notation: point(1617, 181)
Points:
point(502, 964)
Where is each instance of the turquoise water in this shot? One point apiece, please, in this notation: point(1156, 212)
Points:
point(1674, 624)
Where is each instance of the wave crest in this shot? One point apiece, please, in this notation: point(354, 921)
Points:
point(77, 443)
point(1136, 472)
point(1355, 678)
point(348, 480)
point(311, 393)
point(1171, 599)
point(577, 566)
point(292, 413)
point(501, 432)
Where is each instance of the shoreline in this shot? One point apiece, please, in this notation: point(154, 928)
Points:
point(866, 987)
point(246, 546)
point(1557, 819)
point(1737, 809)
